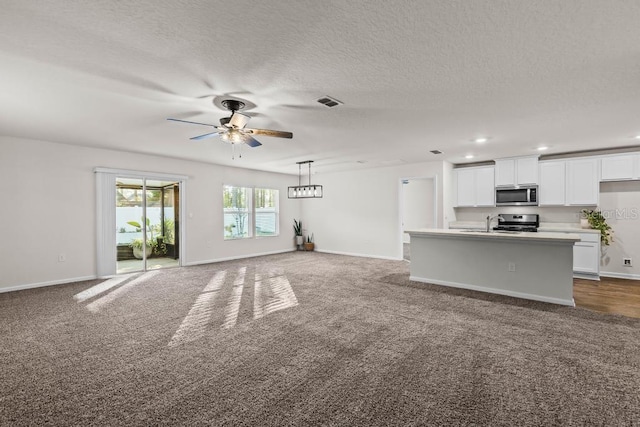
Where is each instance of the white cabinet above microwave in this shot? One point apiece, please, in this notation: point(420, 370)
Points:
point(517, 171)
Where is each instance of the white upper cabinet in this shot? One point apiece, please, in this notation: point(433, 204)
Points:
point(571, 182)
point(474, 186)
point(516, 171)
point(582, 184)
point(485, 187)
point(620, 167)
point(505, 172)
point(551, 191)
point(465, 186)
point(527, 170)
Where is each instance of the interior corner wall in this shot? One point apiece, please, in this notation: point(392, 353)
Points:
point(359, 213)
point(448, 211)
point(49, 208)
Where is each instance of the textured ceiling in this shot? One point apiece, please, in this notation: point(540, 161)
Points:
point(414, 76)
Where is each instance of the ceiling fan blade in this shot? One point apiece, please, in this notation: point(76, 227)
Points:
point(238, 120)
point(206, 135)
point(193, 123)
point(268, 132)
point(251, 141)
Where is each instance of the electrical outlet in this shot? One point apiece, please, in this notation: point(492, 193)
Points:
point(62, 258)
point(626, 262)
point(511, 266)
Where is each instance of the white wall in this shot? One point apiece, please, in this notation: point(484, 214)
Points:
point(48, 208)
point(360, 211)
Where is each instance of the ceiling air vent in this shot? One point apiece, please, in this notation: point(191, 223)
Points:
point(436, 151)
point(327, 101)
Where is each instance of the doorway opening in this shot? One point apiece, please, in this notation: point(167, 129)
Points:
point(147, 218)
point(418, 208)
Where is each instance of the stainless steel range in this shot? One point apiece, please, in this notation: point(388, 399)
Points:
point(518, 222)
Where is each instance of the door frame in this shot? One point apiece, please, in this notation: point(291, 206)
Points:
point(106, 264)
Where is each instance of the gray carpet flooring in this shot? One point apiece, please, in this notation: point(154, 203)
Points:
point(307, 339)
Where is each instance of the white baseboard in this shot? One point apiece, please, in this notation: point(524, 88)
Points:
point(49, 283)
point(80, 279)
point(570, 303)
point(620, 275)
point(359, 255)
point(233, 258)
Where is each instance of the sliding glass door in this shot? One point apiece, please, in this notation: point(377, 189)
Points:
point(147, 215)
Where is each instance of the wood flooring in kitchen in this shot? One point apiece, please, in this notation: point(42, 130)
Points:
point(609, 295)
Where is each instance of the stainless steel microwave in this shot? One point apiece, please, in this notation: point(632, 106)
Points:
point(517, 195)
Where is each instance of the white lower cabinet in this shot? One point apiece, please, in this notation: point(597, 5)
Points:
point(586, 256)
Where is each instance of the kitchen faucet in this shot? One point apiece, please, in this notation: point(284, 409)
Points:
point(491, 218)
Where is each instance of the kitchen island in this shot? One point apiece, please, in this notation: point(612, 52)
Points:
point(536, 266)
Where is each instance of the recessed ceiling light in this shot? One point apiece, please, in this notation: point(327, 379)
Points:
point(469, 156)
point(637, 136)
point(480, 140)
point(543, 148)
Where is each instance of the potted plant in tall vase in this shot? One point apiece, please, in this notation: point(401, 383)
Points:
point(297, 229)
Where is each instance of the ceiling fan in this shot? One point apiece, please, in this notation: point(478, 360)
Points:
point(232, 129)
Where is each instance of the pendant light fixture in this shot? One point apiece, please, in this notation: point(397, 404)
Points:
point(305, 191)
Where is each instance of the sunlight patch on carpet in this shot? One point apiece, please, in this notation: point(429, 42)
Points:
point(233, 304)
point(272, 294)
point(102, 287)
point(195, 323)
point(100, 303)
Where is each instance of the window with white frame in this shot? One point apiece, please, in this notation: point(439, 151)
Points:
point(266, 212)
point(237, 212)
point(250, 212)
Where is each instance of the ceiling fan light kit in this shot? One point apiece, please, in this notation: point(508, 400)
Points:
point(309, 191)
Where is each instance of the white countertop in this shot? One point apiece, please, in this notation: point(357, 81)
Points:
point(479, 233)
point(557, 227)
point(563, 227)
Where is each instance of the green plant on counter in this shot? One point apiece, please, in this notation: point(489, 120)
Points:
point(597, 221)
